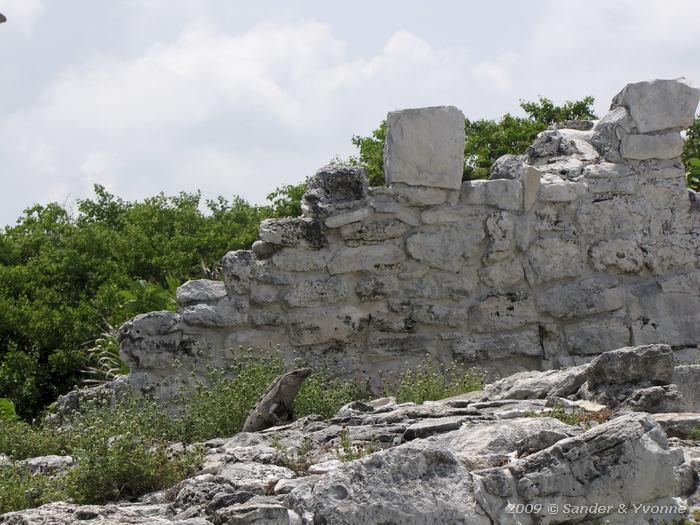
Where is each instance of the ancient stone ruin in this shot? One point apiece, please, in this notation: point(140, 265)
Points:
point(588, 242)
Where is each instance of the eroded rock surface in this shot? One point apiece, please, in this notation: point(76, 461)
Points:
point(480, 457)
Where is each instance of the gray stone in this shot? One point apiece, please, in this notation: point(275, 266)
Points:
point(222, 313)
point(51, 464)
point(444, 249)
point(368, 258)
point(316, 292)
point(334, 188)
point(659, 104)
point(425, 147)
point(346, 217)
point(503, 311)
point(652, 364)
point(300, 232)
point(687, 378)
point(237, 268)
point(554, 259)
point(499, 193)
point(200, 290)
point(510, 167)
point(642, 147)
point(608, 466)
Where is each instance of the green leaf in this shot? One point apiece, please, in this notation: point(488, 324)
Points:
point(7, 410)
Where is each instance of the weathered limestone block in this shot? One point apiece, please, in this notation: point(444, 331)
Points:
point(554, 259)
point(369, 258)
point(375, 288)
point(300, 260)
point(687, 377)
point(510, 167)
point(610, 218)
point(610, 465)
point(531, 181)
point(554, 189)
point(262, 294)
point(594, 337)
point(582, 298)
point(608, 130)
point(425, 147)
point(334, 188)
point(445, 249)
point(439, 314)
point(300, 232)
point(154, 340)
point(441, 285)
point(225, 312)
point(620, 255)
point(500, 193)
point(470, 216)
point(316, 292)
point(200, 290)
point(371, 232)
point(642, 147)
point(659, 104)
point(650, 364)
point(264, 250)
point(422, 195)
point(607, 177)
point(480, 347)
point(347, 217)
point(316, 326)
point(237, 268)
point(665, 316)
point(503, 311)
point(502, 274)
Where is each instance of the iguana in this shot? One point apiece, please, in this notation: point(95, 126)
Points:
point(277, 401)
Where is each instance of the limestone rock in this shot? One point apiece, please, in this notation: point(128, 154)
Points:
point(425, 147)
point(334, 188)
point(659, 104)
point(200, 290)
point(297, 232)
point(608, 465)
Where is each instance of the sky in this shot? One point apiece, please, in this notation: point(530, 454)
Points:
point(238, 98)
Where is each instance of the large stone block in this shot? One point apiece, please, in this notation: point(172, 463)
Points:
point(296, 232)
point(334, 188)
point(659, 104)
point(500, 193)
point(368, 258)
point(445, 249)
point(503, 311)
point(425, 147)
point(555, 258)
point(643, 147)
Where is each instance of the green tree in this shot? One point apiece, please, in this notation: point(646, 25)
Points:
point(64, 276)
point(691, 155)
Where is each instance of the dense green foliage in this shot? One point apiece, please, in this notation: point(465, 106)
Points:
point(486, 140)
point(691, 155)
point(66, 277)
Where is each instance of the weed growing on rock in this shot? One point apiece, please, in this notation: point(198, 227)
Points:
point(298, 461)
point(428, 382)
point(694, 434)
point(348, 451)
point(572, 417)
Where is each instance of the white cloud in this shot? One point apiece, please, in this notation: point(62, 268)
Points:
point(243, 113)
point(227, 114)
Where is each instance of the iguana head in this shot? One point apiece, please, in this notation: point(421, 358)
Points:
point(294, 378)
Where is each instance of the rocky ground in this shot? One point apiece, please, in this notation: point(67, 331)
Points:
point(622, 448)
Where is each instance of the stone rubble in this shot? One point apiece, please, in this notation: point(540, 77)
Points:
point(479, 457)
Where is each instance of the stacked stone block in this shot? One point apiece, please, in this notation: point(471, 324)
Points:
point(586, 243)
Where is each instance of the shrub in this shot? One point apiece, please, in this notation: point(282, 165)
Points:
point(20, 489)
point(429, 383)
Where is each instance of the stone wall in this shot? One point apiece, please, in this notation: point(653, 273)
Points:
point(588, 242)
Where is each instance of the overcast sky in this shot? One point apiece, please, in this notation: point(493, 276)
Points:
point(232, 97)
